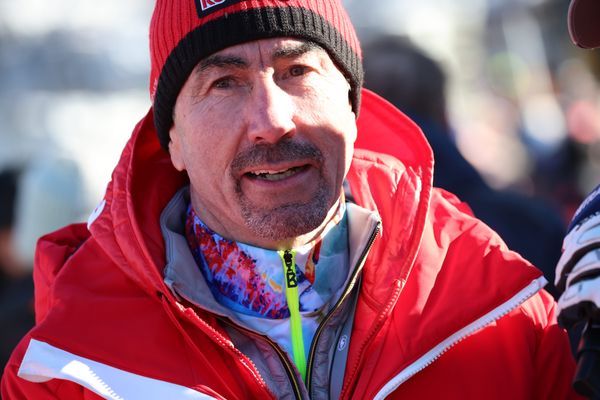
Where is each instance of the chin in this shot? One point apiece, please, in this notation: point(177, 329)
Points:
point(287, 222)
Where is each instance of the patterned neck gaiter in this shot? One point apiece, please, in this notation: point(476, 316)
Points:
point(250, 280)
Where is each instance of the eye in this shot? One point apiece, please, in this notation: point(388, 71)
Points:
point(298, 70)
point(223, 83)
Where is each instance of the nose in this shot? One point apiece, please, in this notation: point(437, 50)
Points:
point(270, 112)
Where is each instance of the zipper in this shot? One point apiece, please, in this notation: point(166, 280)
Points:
point(435, 353)
point(343, 297)
point(284, 360)
point(288, 262)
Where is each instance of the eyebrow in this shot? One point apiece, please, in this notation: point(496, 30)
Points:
point(221, 61)
point(296, 50)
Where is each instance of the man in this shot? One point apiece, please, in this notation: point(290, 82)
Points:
point(226, 260)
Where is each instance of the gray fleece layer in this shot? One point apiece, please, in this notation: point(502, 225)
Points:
point(331, 342)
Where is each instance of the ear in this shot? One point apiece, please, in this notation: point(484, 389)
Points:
point(176, 149)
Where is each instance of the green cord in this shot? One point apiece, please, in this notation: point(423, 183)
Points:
point(288, 258)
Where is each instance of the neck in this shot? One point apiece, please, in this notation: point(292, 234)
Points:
point(298, 241)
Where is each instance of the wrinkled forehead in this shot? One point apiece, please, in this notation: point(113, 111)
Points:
point(263, 49)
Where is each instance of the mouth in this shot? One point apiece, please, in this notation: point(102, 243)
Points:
point(275, 175)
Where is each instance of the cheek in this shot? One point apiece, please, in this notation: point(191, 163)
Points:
point(338, 148)
point(331, 97)
point(343, 141)
point(208, 156)
point(351, 134)
point(329, 113)
point(205, 132)
point(201, 159)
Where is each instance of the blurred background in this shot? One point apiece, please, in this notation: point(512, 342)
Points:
point(73, 81)
point(522, 100)
point(521, 103)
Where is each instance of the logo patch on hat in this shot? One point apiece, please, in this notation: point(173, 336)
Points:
point(205, 7)
point(206, 4)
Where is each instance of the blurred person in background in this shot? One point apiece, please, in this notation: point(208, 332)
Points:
point(258, 241)
point(415, 83)
point(35, 199)
point(16, 281)
point(578, 271)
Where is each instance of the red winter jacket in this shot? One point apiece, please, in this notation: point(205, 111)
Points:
point(445, 310)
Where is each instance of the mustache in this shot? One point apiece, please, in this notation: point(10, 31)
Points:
point(284, 150)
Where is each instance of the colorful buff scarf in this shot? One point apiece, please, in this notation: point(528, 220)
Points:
point(250, 280)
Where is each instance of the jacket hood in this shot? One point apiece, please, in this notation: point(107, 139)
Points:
point(122, 223)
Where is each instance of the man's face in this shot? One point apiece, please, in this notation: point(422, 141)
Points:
point(265, 131)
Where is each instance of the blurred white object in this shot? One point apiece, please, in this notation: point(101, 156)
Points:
point(50, 195)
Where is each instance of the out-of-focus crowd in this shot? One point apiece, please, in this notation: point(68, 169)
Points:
point(35, 199)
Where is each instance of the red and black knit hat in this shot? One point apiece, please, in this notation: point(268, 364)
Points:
point(182, 32)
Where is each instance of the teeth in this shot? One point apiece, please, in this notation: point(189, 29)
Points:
point(275, 175)
point(268, 172)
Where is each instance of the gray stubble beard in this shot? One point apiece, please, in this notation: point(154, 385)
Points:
point(289, 220)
